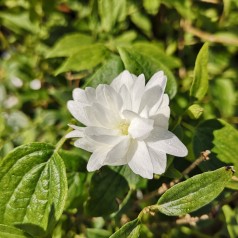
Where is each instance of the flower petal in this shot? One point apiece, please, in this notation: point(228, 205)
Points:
point(76, 127)
point(159, 160)
point(80, 96)
point(117, 155)
point(108, 97)
point(140, 128)
point(77, 110)
point(137, 92)
point(151, 99)
point(91, 94)
point(129, 115)
point(153, 94)
point(124, 78)
point(96, 160)
point(163, 140)
point(140, 162)
point(103, 135)
point(74, 133)
point(87, 144)
point(102, 116)
point(126, 97)
point(158, 79)
point(161, 117)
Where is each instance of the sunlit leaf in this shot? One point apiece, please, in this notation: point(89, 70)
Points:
point(33, 188)
point(151, 6)
point(12, 232)
point(157, 53)
point(18, 22)
point(142, 21)
point(85, 59)
point(138, 63)
point(195, 192)
point(195, 111)
point(233, 184)
point(225, 144)
point(224, 96)
point(130, 229)
point(107, 72)
point(110, 12)
point(200, 82)
point(69, 45)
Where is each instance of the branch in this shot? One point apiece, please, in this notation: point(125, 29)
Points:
point(208, 36)
point(164, 187)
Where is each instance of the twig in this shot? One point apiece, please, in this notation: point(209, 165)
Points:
point(208, 36)
point(164, 187)
point(203, 157)
point(188, 219)
point(212, 1)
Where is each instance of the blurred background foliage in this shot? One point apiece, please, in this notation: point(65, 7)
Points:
point(47, 48)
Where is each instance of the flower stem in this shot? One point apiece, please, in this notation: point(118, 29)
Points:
point(62, 140)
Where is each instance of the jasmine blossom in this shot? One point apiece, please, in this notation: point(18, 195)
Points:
point(126, 122)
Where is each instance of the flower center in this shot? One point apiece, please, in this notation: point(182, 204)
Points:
point(123, 127)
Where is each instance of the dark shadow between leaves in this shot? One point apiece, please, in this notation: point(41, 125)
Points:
point(203, 140)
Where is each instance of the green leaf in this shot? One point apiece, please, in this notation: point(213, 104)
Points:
point(172, 172)
point(134, 180)
point(111, 11)
point(12, 232)
point(183, 7)
point(195, 192)
point(17, 22)
point(142, 21)
point(219, 137)
point(130, 229)
point(231, 221)
point(157, 53)
point(135, 232)
point(139, 63)
point(200, 82)
point(106, 73)
point(97, 233)
point(33, 188)
point(151, 6)
point(105, 189)
point(76, 182)
point(85, 59)
point(74, 160)
point(125, 38)
point(225, 141)
point(195, 111)
point(233, 184)
point(224, 96)
point(69, 45)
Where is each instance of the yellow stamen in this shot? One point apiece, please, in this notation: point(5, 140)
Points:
point(123, 127)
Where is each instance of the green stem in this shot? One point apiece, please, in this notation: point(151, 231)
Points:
point(148, 210)
point(61, 141)
point(189, 127)
point(124, 202)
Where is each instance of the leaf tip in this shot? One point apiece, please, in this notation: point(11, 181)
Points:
point(230, 168)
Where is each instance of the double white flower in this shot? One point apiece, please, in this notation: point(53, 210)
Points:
point(126, 123)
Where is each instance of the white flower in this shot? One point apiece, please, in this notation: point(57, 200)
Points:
point(126, 123)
